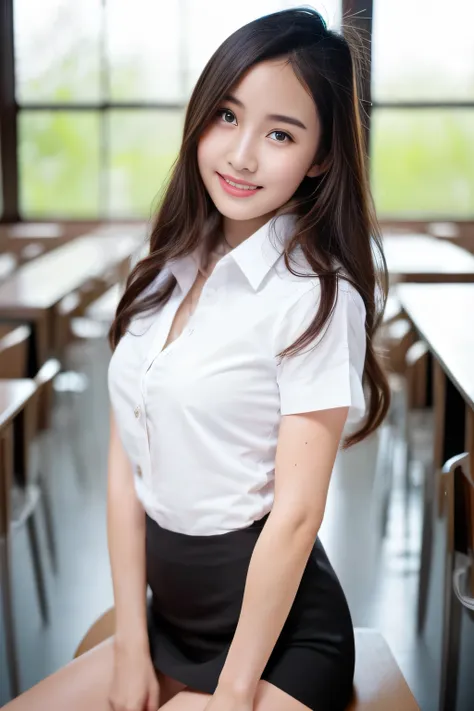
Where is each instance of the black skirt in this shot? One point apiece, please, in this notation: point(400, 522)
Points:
point(197, 585)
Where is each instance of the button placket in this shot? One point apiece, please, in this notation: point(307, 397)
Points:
point(143, 468)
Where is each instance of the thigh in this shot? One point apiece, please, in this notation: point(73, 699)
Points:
point(82, 685)
point(267, 698)
point(168, 688)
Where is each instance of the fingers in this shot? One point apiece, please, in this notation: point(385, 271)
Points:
point(153, 699)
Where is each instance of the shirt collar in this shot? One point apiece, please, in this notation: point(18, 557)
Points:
point(255, 256)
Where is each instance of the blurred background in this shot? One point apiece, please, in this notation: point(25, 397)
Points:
point(92, 102)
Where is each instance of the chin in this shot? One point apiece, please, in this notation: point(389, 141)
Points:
point(234, 213)
point(239, 208)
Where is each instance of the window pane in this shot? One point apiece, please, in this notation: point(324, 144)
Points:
point(203, 37)
point(157, 50)
point(423, 162)
point(423, 50)
point(59, 163)
point(144, 45)
point(143, 146)
point(57, 50)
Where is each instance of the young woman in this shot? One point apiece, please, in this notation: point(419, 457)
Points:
point(241, 348)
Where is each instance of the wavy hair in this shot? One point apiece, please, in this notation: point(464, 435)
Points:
point(335, 216)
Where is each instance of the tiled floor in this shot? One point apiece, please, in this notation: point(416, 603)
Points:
point(380, 580)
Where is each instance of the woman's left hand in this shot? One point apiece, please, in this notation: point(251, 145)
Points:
point(226, 700)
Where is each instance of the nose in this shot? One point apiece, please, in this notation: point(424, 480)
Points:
point(242, 154)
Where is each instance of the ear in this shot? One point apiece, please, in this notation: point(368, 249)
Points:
point(317, 169)
point(314, 171)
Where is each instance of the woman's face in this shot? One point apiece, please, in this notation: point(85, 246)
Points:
point(266, 133)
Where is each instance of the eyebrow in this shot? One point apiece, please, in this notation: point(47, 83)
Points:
point(273, 117)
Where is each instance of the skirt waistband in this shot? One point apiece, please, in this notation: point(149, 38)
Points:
point(198, 550)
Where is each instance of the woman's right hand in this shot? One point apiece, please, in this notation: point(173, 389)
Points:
point(134, 683)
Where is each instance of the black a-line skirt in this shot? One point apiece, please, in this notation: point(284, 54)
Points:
point(197, 585)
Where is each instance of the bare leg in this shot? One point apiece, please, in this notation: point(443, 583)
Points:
point(82, 685)
point(267, 698)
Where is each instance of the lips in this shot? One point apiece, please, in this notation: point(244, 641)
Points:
point(235, 191)
point(239, 182)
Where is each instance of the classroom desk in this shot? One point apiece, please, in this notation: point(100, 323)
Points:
point(443, 316)
point(28, 230)
point(14, 394)
point(33, 292)
point(7, 327)
point(420, 258)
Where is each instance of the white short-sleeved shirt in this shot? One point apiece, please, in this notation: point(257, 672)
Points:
point(199, 420)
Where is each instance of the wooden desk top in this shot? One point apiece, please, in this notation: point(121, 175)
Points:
point(443, 315)
point(416, 257)
point(6, 327)
point(28, 230)
point(14, 394)
point(8, 264)
point(42, 283)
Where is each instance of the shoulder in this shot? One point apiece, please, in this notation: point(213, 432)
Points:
point(328, 372)
point(300, 293)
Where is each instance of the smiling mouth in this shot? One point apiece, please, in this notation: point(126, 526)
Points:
point(240, 186)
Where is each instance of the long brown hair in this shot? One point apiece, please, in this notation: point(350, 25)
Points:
point(335, 214)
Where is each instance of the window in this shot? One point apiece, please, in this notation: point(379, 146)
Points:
point(422, 137)
point(101, 88)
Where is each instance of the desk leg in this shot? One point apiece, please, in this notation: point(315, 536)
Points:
point(455, 422)
point(469, 448)
point(428, 381)
point(39, 351)
point(6, 468)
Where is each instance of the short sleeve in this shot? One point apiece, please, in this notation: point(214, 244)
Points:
point(328, 372)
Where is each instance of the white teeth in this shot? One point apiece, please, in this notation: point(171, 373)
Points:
point(242, 187)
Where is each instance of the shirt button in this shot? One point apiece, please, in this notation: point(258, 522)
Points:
point(191, 331)
point(137, 411)
point(139, 471)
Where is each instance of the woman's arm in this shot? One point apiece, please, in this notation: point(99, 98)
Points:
point(126, 540)
point(307, 448)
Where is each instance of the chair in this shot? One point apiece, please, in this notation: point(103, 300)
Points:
point(379, 684)
point(393, 340)
point(23, 495)
point(457, 484)
point(6, 468)
point(44, 380)
point(418, 422)
point(21, 490)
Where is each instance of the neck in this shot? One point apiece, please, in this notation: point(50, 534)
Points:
point(237, 231)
